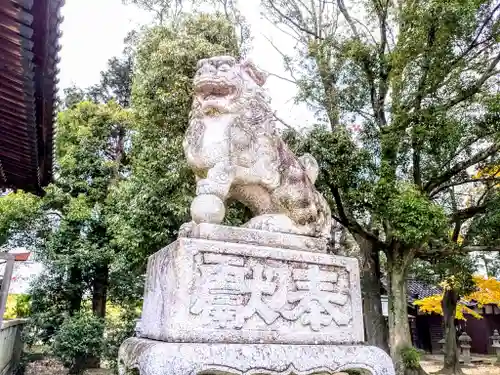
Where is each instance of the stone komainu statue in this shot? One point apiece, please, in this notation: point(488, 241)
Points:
point(235, 151)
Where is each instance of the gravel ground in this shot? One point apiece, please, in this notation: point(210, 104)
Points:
point(435, 363)
point(53, 367)
point(429, 364)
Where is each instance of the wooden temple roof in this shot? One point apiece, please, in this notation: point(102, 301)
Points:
point(29, 35)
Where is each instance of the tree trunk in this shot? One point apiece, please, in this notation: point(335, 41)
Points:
point(76, 294)
point(451, 360)
point(99, 296)
point(399, 327)
point(100, 290)
point(376, 330)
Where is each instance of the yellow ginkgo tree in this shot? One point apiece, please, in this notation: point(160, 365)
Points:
point(490, 173)
point(487, 292)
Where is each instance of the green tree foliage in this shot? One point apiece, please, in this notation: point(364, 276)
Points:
point(53, 296)
point(152, 204)
point(417, 80)
point(79, 340)
point(18, 212)
point(173, 13)
point(117, 331)
point(122, 188)
point(116, 82)
point(75, 244)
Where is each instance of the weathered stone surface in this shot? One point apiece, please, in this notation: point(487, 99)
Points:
point(235, 151)
point(209, 291)
point(258, 237)
point(157, 358)
point(11, 345)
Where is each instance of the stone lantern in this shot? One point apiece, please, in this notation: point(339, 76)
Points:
point(465, 341)
point(496, 345)
point(442, 342)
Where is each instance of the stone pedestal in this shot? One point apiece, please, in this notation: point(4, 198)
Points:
point(242, 301)
point(161, 358)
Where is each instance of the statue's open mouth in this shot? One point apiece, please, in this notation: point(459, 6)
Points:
point(214, 94)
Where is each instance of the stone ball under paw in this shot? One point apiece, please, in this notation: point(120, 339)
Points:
point(207, 209)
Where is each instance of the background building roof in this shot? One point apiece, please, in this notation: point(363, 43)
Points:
point(29, 35)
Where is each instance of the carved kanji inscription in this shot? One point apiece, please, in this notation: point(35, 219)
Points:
point(232, 289)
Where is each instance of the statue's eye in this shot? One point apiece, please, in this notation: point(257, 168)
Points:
point(224, 67)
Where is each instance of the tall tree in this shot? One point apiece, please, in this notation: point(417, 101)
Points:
point(150, 207)
point(455, 269)
point(458, 289)
point(116, 81)
point(418, 79)
point(91, 154)
point(76, 246)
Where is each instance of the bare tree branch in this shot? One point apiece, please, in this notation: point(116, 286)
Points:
point(285, 59)
point(467, 213)
point(280, 77)
point(462, 182)
point(457, 168)
point(288, 126)
point(350, 223)
point(348, 18)
point(293, 22)
point(461, 149)
point(367, 30)
point(474, 43)
point(480, 248)
point(366, 115)
point(474, 89)
point(384, 66)
point(458, 222)
point(293, 33)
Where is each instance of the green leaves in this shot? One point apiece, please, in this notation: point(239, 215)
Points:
point(123, 187)
point(18, 211)
point(147, 209)
point(412, 217)
point(409, 94)
point(150, 207)
point(78, 209)
point(342, 164)
point(79, 338)
point(483, 230)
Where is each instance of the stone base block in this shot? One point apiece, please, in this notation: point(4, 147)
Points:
point(148, 357)
point(223, 233)
point(206, 290)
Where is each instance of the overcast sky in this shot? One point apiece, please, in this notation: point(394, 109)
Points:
point(93, 32)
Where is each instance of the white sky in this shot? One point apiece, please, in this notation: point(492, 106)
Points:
point(93, 32)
